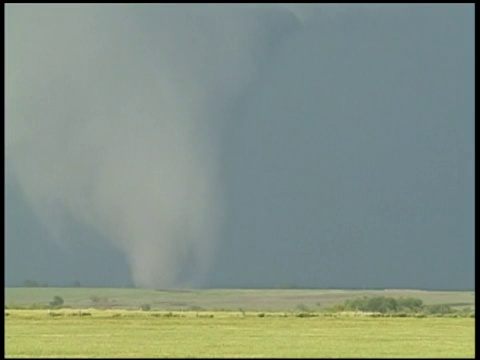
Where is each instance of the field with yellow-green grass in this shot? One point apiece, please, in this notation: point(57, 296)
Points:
point(123, 333)
point(98, 323)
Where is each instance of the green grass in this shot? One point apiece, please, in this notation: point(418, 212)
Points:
point(223, 299)
point(123, 333)
point(228, 323)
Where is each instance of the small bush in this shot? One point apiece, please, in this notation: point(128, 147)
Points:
point(79, 313)
point(439, 309)
point(305, 314)
point(261, 315)
point(100, 302)
point(410, 303)
point(383, 304)
point(145, 307)
point(205, 315)
point(57, 302)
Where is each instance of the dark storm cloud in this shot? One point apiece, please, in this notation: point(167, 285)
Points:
point(316, 145)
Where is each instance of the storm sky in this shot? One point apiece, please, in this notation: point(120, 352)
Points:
point(321, 146)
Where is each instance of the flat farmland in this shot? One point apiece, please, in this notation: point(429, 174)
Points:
point(73, 333)
point(228, 323)
point(221, 299)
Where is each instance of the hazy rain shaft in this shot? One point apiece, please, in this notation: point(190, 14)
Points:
point(110, 121)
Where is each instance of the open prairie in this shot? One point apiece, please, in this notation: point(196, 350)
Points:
point(98, 322)
point(221, 299)
point(124, 333)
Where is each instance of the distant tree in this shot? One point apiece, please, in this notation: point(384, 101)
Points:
point(100, 301)
point(375, 304)
point(145, 307)
point(56, 302)
point(439, 309)
point(410, 303)
point(76, 283)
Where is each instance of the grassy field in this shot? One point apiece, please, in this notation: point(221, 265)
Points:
point(102, 322)
point(69, 333)
point(221, 299)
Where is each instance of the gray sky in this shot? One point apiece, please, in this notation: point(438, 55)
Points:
point(240, 145)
